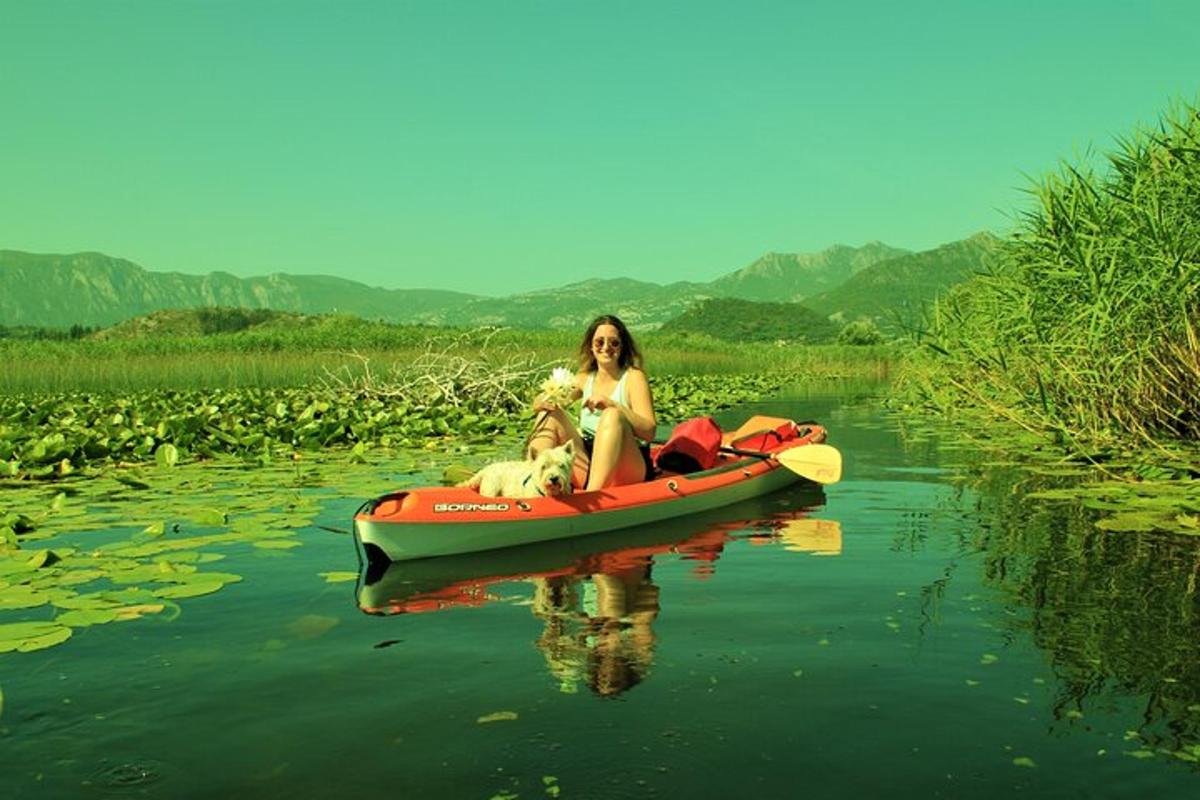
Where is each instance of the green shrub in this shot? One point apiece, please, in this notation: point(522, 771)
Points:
point(859, 333)
point(1087, 322)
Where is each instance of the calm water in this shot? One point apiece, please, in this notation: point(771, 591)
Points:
point(918, 630)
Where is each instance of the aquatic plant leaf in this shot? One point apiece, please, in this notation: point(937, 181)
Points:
point(134, 612)
point(155, 528)
point(277, 544)
point(498, 716)
point(167, 455)
point(1024, 761)
point(85, 617)
point(13, 566)
point(196, 589)
point(130, 596)
point(338, 577)
point(209, 517)
point(17, 597)
point(43, 558)
point(91, 601)
point(26, 637)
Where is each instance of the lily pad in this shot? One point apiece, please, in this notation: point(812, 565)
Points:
point(167, 455)
point(209, 517)
point(135, 612)
point(17, 597)
point(194, 589)
point(498, 716)
point(26, 637)
point(197, 584)
point(85, 617)
point(277, 544)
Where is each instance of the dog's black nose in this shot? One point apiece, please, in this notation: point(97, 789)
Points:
point(554, 479)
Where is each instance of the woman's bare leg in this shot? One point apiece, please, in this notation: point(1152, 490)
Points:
point(616, 458)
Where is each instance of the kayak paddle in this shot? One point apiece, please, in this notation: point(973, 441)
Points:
point(820, 463)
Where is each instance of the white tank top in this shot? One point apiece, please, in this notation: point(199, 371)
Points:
point(589, 418)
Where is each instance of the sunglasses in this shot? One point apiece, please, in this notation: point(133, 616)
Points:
point(600, 343)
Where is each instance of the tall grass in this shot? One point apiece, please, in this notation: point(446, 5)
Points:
point(1087, 323)
point(291, 359)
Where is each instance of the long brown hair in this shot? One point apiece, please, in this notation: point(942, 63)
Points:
point(629, 355)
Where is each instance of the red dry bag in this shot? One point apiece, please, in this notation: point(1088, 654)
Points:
point(692, 447)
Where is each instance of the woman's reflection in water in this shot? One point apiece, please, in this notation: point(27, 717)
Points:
point(598, 628)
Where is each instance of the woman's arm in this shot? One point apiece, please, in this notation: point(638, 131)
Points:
point(639, 410)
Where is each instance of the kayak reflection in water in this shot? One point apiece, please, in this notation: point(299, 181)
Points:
point(598, 629)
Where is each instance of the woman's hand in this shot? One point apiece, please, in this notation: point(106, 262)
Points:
point(598, 402)
point(542, 403)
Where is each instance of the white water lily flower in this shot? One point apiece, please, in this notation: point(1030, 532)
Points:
point(559, 387)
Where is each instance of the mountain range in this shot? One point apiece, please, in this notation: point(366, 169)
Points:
point(894, 294)
point(93, 289)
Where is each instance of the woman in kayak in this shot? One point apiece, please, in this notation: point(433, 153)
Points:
point(617, 416)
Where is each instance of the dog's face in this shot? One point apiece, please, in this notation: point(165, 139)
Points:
point(552, 469)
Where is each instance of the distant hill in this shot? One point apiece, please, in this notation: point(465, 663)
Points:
point(95, 289)
point(204, 322)
point(789, 277)
point(895, 293)
point(748, 321)
point(91, 289)
point(639, 304)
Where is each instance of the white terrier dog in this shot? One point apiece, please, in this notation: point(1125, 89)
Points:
point(547, 475)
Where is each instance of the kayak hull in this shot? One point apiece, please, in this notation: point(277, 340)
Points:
point(443, 521)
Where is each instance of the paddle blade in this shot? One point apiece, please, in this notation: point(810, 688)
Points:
point(820, 463)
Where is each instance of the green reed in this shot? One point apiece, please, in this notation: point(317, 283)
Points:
point(291, 359)
point(1086, 324)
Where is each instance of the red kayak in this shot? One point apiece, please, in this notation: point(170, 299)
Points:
point(764, 454)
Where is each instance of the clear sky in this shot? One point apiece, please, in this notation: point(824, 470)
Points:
point(501, 146)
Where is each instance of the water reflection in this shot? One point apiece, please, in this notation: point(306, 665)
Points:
point(821, 537)
point(598, 630)
point(595, 596)
point(1117, 613)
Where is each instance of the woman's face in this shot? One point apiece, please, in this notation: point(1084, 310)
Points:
point(607, 344)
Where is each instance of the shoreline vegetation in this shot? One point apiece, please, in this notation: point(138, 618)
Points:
point(263, 395)
point(1084, 329)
